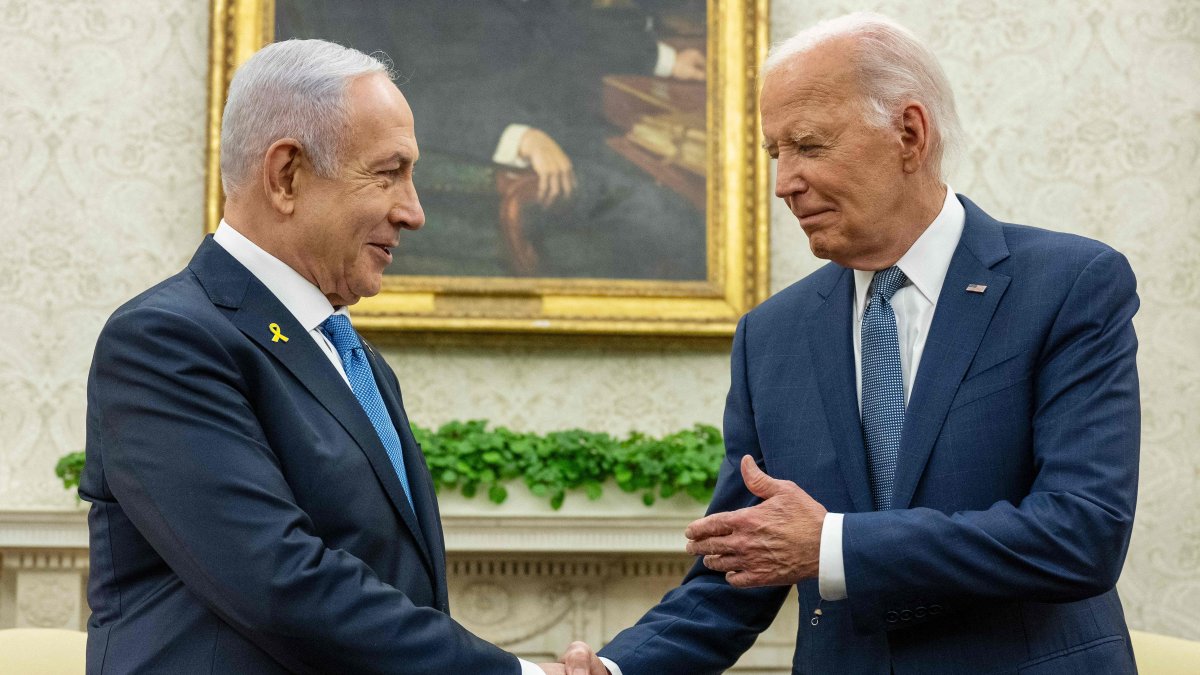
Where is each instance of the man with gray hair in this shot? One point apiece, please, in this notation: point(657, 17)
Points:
point(934, 438)
point(259, 504)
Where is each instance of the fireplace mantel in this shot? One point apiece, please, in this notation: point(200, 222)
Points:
point(521, 574)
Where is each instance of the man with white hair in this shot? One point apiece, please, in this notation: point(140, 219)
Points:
point(935, 436)
point(259, 504)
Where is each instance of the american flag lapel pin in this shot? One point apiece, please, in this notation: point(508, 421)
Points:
point(976, 288)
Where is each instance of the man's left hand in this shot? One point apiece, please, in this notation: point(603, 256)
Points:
point(775, 543)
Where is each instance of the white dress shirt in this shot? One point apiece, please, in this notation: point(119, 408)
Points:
point(300, 296)
point(925, 264)
point(306, 303)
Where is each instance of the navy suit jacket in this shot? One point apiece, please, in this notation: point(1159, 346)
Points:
point(1014, 490)
point(245, 517)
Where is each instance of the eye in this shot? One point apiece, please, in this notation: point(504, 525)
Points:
point(388, 177)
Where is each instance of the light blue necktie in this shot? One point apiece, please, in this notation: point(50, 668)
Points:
point(882, 386)
point(362, 381)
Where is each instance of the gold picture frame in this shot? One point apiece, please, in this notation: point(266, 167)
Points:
point(735, 201)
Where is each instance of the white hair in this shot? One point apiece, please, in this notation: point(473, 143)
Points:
point(894, 66)
point(290, 89)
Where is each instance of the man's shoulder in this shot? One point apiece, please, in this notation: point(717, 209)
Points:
point(1031, 246)
point(802, 296)
point(211, 279)
point(1036, 245)
point(179, 304)
point(179, 293)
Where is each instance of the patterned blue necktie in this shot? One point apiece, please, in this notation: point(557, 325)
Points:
point(882, 386)
point(349, 347)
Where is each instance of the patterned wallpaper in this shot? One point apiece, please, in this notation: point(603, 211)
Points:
point(1082, 115)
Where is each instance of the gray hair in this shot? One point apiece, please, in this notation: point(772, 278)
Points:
point(894, 66)
point(290, 89)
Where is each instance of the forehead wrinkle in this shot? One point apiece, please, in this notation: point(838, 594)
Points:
point(827, 74)
point(811, 110)
point(809, 96)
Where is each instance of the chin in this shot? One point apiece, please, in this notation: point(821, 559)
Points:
point(818, 249)
point(368, 290)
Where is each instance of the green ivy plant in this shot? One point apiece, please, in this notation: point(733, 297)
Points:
point(469, 457)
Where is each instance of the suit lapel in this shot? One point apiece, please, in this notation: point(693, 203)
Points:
point(832, 351)
point(958, 327)
point(255, 309)
point(419, 481)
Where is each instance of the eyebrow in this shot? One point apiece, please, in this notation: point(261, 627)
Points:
point(801, 138)
point(401, 158)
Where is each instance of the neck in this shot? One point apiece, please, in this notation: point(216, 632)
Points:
point(268, 229)
point(265, 227)
point(921, 204)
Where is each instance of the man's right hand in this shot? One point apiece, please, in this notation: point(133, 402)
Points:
point(579, 659)
point(689, 65)
point(556, 176)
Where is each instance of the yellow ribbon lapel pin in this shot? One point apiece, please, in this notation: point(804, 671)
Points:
point(276, 336)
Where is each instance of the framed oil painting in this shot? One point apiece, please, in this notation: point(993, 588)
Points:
point(587, 166)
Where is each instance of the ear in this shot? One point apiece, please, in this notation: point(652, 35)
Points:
point(281, 167)
point(914, 137)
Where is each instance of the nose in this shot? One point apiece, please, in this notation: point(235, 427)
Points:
point(789, 176)
point(407, 211)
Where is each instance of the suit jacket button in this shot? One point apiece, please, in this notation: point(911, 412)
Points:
point(906, 615)
point(891, 617)
point(919, 612)
point(935, 609)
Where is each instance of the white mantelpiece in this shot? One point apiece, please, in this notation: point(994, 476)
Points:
point(43, 569)
point(521, 575)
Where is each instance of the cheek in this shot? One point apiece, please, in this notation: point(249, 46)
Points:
point(355, 233)
point(366, 277)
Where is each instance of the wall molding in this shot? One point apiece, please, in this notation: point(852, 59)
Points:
point(531, 581)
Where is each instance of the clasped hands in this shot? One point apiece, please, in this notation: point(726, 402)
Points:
point(774, 543)
point(577, 660)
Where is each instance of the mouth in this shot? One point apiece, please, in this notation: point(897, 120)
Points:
point(385, 250)
point(811, 218)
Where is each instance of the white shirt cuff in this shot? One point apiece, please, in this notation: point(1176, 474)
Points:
point(666, 61)
point(613, 668)
point(831, 570)
point(509, 145)
point(528, 668)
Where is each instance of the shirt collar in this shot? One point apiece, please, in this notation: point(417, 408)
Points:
point(300, 296)
point(927, 261)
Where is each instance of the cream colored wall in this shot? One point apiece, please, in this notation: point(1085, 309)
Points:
point(1080, 115)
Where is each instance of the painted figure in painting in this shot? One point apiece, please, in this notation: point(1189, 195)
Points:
point(564, 138)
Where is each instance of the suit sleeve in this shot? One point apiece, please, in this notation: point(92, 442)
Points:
point(1067, 538)
point(705, 624)
point(185, 455)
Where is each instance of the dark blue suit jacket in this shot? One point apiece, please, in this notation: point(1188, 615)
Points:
point(245, 517)
point(1015, 486)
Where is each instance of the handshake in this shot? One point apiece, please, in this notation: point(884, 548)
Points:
point(774, 543)
point(579, 659)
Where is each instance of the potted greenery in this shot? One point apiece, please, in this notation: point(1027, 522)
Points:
point(472, 459)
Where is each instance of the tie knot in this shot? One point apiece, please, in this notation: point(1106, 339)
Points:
point(339, 331)
point(887, 282)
